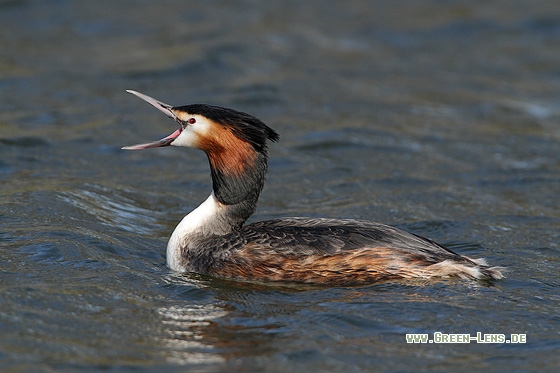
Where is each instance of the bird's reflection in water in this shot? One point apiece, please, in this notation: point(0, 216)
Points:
point(186, 343)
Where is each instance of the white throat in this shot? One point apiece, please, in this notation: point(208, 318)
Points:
point(202, 221)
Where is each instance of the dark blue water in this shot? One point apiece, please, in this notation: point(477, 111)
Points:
point(441, 118)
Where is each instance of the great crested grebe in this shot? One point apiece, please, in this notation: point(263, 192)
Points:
point(212, 239)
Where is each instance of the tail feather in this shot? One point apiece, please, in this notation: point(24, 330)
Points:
point(479, 269)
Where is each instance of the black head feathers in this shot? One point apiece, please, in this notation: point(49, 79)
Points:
point(244, 126)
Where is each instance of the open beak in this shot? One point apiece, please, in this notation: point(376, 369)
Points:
point(167, 110)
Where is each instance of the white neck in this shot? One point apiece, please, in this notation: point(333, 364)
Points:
point(202, 221)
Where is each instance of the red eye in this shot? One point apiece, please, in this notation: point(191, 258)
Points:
point(192, 121)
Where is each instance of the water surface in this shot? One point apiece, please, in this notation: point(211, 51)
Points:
point(437, 117)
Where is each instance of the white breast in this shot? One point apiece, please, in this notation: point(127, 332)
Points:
point(198, 222)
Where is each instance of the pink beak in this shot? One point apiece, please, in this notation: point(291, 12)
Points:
point(167, 110)
point(166, 141)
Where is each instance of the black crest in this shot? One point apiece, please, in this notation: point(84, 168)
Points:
point(245, 126)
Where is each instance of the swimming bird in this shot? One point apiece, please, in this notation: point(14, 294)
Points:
point(214, 240)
